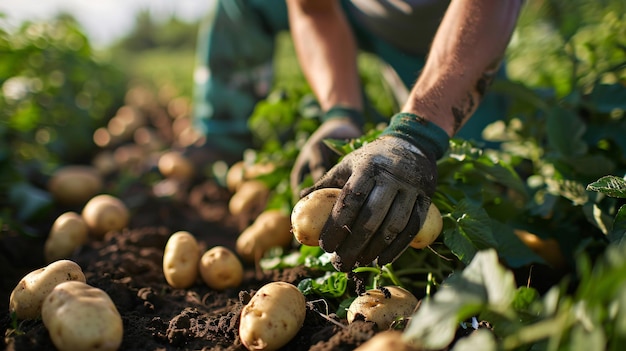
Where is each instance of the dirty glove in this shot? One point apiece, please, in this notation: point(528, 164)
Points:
point(387, 185)
point(316, 158)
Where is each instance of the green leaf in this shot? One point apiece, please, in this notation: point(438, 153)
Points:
point(331, 285)
point(565, 130)
point(618, 232)
point(484, 282)
point(31, 202)
point(481, 339)
point(609, 185)
point(511, 249)
point(608, 97)
point(472, 232)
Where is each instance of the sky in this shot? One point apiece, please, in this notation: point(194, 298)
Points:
point(103, 20)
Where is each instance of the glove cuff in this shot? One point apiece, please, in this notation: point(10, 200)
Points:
point(339, 111)
point(425, 135)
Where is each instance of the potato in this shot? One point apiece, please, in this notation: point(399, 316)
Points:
point(241, 172)
point(80, 317)
point(386, 340)
point(180, 260)
point(382, 306)
point(174, 165)
point(68, 232)
point(548, 249)
point(310, 214)
point(27, 297)
point(220, 268)
point(250, 199)
point(430, 230)
point(75, 184)
point(271, 229)
point(105, 213)
point(235, 176)
point(273, 317)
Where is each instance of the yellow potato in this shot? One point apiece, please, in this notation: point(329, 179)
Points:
point(68, 232)
point(105, 213)
point(234, 176)
point(310, 214)
point(180, 260)
point(174, 165)
point(386, 340)
point(27, 297)
point(548, 249)
point(273, 317)
point(220, 268)
point(271, 229)
point(250, 199)
point(80, 317)
point(430, 230)
point(75, 184)
point(381, 308)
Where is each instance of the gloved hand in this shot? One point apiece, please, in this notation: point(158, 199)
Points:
point(387, 185)
point(316, 158)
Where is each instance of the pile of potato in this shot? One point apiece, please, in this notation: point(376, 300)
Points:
point(183, 262)
point(101, 214)
point(78, 316)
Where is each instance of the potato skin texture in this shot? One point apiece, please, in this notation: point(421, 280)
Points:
point(29, 294)
point(81, 317)
point(273, 317)
point(433, 224)
point(272, 228)
point(310, 214)
point(181, 257)
point(75, 184)
point(220, 268)
point(105, 213)
point(68, 232)
point(382, 310)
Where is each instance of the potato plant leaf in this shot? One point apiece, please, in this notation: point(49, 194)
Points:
point(618, 232)
point(483, 283)
point(565, 130)
point(471, 232)
point(609, 185)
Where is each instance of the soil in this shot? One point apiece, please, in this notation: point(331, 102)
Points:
point(127, 265)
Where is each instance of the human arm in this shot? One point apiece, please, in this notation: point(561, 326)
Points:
point(327, 52)
point(387, 184)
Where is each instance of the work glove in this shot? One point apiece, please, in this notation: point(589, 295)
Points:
point(315, 157)
point(386, 186)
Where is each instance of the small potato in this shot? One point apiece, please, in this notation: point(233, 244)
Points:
point(250, 199)
point(180, 260)
point(386, 340)
point(105, 213)
point(27, 297)
point(174, 165)
point(220, 268)
point(271, 229)
point(273, 317)
point(548, 249)
point(80, 317)
point(430, 230)
point(241, 172)
point(75, 184)
point(68, 232)
point(310, 214)
point(383, 306)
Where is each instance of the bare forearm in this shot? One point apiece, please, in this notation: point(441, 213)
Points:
point(465, 55)
point(326, 51)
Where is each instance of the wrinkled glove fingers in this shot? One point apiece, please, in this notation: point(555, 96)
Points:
point(369, 219)
point(344, 214)
point(394, 223)
point(402, 241)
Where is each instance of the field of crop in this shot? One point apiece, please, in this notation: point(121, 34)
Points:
point(530, 254)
